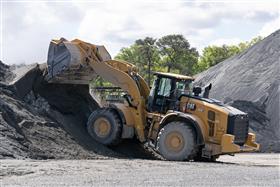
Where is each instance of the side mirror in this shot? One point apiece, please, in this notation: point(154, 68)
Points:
point(207, 91)
point(197, 91)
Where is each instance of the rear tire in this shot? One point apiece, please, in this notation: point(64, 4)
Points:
point(176, 141)
point(104, 126)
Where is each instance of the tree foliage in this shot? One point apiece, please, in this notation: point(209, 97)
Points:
point(149, 54)
point(213, 55)
point(177, 55)
point(144, 54)
point(130, 54)
point(171, 53)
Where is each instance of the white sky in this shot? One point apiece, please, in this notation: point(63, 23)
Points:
point(28, 26)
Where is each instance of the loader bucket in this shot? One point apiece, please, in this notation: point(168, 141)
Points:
point(67, 61)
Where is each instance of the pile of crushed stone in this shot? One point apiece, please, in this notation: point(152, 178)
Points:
point(5, 73)
point(250, 82)
point(47, 121)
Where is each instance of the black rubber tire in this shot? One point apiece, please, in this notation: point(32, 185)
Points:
point(188, 136)
point(114, 136)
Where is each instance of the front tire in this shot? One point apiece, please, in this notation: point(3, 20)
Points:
point(176, 141)
point(104, 126)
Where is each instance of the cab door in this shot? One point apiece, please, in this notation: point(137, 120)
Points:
point(162, 95)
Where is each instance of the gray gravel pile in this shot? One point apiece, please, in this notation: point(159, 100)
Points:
point(5, 73)
point(250, 81)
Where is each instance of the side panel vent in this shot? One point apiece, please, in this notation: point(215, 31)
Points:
point(211, 128)
point(211, 122)
point(211, 115)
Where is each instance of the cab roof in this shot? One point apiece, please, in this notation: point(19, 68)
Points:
point(174, 75)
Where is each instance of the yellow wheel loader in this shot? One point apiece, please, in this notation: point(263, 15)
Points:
point(173, 118)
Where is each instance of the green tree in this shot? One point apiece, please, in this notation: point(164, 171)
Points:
point(144, 55)
point(213, 55)
point(130, 54)
point(149, 53)
point(245, 45)
point(177, 55)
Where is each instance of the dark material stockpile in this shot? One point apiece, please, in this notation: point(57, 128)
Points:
point(48, 121)
point(250, 82)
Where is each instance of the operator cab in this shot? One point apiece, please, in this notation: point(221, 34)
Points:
point(166, 91)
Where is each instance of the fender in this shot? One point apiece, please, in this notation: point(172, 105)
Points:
point(192, 120)
point(127, 131)
point(119, 113)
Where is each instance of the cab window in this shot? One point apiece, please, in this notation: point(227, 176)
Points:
point(180, 86)
point(188, 88)
point(184, 87)
point(164, 87)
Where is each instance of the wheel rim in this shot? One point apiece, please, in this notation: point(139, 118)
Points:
point(102, 127)
point(174, 141)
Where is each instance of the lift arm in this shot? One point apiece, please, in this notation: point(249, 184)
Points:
point(79, 62)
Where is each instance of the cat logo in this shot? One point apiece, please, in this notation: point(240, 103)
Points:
point(191, 106)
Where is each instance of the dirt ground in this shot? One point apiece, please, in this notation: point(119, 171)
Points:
point(240, 170)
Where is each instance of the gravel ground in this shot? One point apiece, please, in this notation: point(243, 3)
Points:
point(240, 170)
